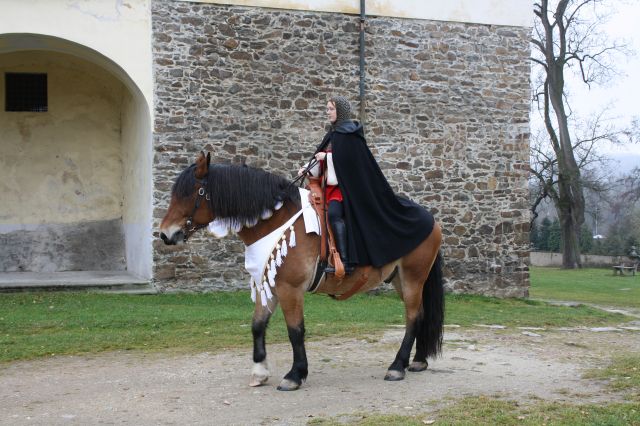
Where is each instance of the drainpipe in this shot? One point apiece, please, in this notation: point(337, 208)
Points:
point(362, 97)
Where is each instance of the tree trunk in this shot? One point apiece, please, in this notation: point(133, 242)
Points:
point(570, 205)
point(570, 240)
point(561, 39)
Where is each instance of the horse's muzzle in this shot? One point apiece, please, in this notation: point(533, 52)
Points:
point(177, 237)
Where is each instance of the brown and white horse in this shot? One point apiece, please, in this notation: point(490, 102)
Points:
point(255, 203)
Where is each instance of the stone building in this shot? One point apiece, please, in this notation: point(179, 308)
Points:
point(137, 88)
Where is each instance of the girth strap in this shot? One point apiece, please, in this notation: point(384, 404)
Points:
point(321, 265)
point(364, 277)
point(392, 276)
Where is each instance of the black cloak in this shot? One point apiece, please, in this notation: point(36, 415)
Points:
point(381, 226)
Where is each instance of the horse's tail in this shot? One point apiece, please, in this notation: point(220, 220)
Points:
point(431, 321)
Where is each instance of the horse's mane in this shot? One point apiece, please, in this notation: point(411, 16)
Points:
point(239, 194)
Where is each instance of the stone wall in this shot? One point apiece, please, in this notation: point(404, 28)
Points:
point(447, 118)
point(545, 258)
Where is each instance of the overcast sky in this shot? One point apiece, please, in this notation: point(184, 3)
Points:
point(624, 92)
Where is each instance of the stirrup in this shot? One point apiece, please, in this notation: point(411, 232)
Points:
point(348, 269)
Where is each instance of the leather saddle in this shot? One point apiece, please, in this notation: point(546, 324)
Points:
point(328, 251)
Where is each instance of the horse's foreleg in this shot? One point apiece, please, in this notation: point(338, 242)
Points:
point(261, 316)
point(292, 301)
point(412, 298)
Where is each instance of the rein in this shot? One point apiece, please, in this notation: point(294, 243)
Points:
point(300, 179)
point(202, 193)
point(312, 161)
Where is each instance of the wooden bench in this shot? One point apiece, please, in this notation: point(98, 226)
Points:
point(621, 269)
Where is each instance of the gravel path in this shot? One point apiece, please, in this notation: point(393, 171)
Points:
point(345, 376)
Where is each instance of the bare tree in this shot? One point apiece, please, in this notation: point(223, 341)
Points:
point(628, 194)
point(562, 39)
point(595, 173)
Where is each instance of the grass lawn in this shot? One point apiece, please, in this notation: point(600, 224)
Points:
point(42, 324)
point(483, 410)
point(589, 285)
point(623, 373)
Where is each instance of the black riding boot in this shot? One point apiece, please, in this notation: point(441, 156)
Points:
point(340, 236)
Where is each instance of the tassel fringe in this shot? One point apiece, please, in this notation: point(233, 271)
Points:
point(275, 261)
point(278, 256)
point(271, 275)
point(263, 295)
point(267, 290)
point(292, 237)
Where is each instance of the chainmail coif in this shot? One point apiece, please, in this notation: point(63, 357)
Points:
point(343, 108)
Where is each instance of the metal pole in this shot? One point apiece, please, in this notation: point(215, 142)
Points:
point(362, 46)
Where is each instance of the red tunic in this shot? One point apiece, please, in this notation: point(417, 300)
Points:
point(331, 192)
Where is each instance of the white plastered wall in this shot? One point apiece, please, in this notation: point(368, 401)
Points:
point(64, 165)
point(116, 36)
point(137, 191)
point(118, 30)
point(493, 12)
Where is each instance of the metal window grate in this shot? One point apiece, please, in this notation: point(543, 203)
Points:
point(25, 92)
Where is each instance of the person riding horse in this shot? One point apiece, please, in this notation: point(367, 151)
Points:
point(390, 239)
point(370, 223)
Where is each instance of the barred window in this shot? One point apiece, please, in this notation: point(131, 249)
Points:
point(25, 92)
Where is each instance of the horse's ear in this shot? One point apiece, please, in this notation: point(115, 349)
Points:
point(202, 166)
point(208, 159)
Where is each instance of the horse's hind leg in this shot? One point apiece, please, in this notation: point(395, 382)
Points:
point(420, 288)
point(412, 297)
point(430, 323)
point(419, 362)
point(292, 301)
point(261, 316)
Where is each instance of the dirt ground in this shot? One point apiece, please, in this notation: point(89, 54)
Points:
point(345, 376)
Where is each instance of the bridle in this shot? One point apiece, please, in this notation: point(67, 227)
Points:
point(202, 193)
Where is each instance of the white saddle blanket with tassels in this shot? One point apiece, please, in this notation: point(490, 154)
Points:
point(262, 258)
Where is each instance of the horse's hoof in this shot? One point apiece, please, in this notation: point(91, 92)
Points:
point(288, 385)
point(418, 366)
point(259, 374)
point(258, 380)
point(394, 375)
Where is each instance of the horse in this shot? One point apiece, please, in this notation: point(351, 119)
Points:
point(255, 203)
